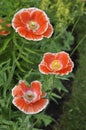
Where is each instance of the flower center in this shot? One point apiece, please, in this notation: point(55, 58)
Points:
point(32, 25)
point(56, 65)
point(30, 96)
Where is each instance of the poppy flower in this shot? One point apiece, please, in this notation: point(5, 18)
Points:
point(32, 24)
point(56, 63)
point(3, 28)
point(30, 100)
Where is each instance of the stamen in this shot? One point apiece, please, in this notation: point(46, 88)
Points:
point(29, 96)
point(56, 65)
point(32, 25)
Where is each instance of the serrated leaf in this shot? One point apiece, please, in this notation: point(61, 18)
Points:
point(59, 86)
point(45, 118)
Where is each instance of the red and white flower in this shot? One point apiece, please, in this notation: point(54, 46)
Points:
point(56, 63)
point(32, 24)
point(30, 100)
point(3, 28)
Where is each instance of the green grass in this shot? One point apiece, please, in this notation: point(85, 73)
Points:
point(74, 116)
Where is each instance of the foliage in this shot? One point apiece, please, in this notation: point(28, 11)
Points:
point(19, 58)
point(75, 110)
point(64, 11)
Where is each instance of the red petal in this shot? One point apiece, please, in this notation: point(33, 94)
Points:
point(63, 57)
point(39, 106)
point(36, 87)
point(16, 22)
point(31, 108)
point(25, 16)
point(17, 91)
point(30, 10)
point(49, 31)
point(66, 70)
point(4, 33)
point(8, 25)
point(22, 31)
point(23, 86)
point(43, 95)
point(28, 34)
point(1, 20)
point(48, 58)
point(20, 103)
point(43, 69)
point(41, 18)
point(32, 36)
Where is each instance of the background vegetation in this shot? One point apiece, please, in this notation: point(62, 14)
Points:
point(74, 111)
point(19, 58)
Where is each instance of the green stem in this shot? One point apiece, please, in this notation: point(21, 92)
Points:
point(10, 73)
point(78, 45)
point(35, 122)
point(18, 47)
point(26, 123)
point(75, 24)
point(16, 58)
point(52, 77)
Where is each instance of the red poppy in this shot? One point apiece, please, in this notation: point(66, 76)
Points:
point(30, 100)
point(56, 63)
point(3, 28)
point(32, 24)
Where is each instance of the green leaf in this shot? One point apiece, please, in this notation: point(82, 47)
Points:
point(6, 42)
point(55, 95)
point(62, 77)
point(19, 66)
point(3, 78)
point(27, 75)
point(36, 129)
point(4, 127)
point(25, 59)
point(45, 118)
point(59, 86)
point(65, 77)
point(68, 40)
point(4, 72)
point(31, 51)
point(54, 100)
